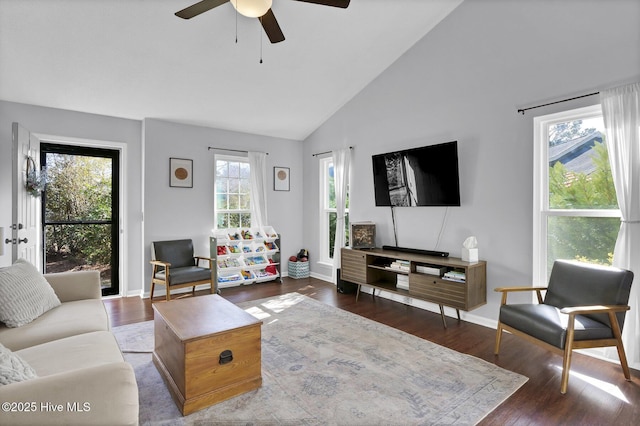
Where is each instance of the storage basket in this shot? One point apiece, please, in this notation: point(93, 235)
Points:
point(298, 269)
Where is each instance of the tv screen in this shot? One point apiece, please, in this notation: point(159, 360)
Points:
point(426, 176)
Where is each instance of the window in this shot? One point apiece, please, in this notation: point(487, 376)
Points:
point(233, 207)
point(576, 214)
point(328, 214)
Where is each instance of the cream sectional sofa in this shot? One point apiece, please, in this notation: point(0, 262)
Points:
point(82, 378)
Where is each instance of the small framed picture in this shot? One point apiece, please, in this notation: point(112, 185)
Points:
point(281, 179)
point(180, 173)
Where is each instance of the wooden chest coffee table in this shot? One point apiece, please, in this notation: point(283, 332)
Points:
point(207, 350)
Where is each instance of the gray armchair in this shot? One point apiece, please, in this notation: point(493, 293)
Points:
point(175, 266)
point(584, 307)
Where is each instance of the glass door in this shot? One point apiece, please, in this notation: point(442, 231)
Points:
point(80, 212)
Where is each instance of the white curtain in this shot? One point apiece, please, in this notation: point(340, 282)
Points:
point(341, 170)
point(621, 113)
point(258, 164)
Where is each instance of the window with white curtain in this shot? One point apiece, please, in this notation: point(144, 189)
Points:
point(232, 190)
point(328, 212)
point(576, 214)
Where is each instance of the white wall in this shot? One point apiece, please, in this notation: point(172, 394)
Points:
point(465, 81)
point(70, 124)
point(172, 213)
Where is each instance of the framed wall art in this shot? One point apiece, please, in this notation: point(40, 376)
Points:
point(281, 179)
point(180, 173)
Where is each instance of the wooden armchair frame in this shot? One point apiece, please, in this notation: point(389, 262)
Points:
point(165, 282)
point(570, 344)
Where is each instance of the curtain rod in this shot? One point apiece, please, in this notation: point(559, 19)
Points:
point(521, 111)
point(326, 152)
point(209, 148)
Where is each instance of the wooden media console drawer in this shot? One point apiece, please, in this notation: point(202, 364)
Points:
point(443, 292)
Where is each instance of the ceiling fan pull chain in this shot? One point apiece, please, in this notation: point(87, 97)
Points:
point(236, 26)
point(260, 40)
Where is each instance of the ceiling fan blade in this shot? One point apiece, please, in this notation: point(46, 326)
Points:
point(198, 8)
point(335, 3)
point(271, 27)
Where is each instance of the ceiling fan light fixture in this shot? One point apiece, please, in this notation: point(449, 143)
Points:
point(252, 8)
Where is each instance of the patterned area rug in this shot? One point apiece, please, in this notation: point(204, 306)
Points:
point(325, 366)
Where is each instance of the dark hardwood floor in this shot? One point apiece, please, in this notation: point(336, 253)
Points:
point(598, 393)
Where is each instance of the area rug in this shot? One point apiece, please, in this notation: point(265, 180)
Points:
point(325, 366)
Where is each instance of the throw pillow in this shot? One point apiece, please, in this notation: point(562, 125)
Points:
point(24, 294)
point(13, 368)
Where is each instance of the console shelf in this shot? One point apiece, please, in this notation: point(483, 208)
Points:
point(446, 281)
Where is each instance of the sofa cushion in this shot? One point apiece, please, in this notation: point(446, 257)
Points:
point(72, 353)
point(187, 274)
point(575, 283)
point(548, 324)
point(178, 253)
point(13, 368)
point(69, 319)
point(24, 294)
point(106, 394)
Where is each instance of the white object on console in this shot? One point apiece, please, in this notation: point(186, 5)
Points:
point(470, 249)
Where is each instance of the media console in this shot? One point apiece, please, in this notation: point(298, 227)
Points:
point(446, 281)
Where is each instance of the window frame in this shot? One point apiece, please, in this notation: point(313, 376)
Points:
point(541, 210)
point(216, 210)
point(326, 210)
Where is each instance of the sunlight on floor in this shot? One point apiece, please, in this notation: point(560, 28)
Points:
point(609, 388)
point(277, 305)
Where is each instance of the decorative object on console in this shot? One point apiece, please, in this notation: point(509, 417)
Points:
point(470, 249)
point(180, 173)
point(363, 235)
point(281, 179)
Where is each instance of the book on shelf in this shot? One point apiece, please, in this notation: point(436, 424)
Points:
point(401, 265)
point(402, 282)
point(458, 276)
point(431, 270)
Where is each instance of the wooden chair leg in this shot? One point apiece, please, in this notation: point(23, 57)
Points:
point(566, 361)
point(193, 290)
point(496, 350)
point(617, 333)
point(168, 293)
point(153, 286)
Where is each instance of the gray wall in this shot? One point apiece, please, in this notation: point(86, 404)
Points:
point(464, 81)
point(172, 213)
point(154, 210)
point(70, 124)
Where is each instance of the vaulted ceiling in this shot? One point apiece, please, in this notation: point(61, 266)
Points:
point(136, 59)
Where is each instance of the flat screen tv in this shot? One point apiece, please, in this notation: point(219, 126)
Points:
point(426, 176)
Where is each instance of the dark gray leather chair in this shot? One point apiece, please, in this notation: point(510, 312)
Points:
point(175, 266)
point(584, 307)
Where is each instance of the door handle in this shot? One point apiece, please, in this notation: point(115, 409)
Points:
point(23, 240)
point(18, 226)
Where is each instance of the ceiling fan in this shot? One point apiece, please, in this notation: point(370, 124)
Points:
point(260, 9)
